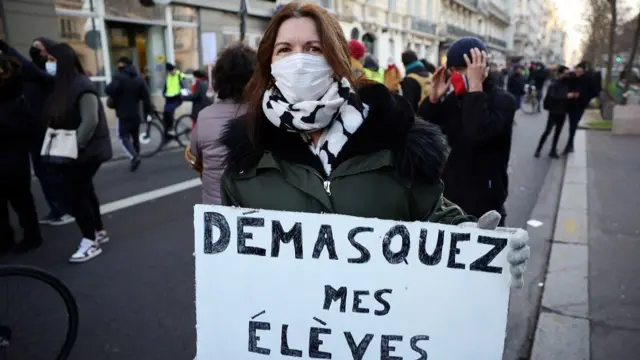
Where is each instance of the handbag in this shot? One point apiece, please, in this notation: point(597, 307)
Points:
point(60, 146)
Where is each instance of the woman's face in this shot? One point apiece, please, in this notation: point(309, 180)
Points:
point(297, 36)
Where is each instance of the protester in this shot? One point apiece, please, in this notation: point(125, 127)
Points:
point(18, 131)
point(496, 75)
point(417, 81)
point(372, 70)
point(198, 95)
point(556, 102)
point(173, 91)
point(75, 105)
point(392, 77)
point(516, 84)
point(428, 66)
point(37, 89)
point(477, 118)
point(127, 90)
point(205, 154)
point(357, 50)
point(537, 77)
point(580, 82)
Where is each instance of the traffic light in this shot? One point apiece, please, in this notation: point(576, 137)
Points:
point(618, 58)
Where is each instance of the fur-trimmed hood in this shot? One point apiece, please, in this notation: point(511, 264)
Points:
point(420, 149)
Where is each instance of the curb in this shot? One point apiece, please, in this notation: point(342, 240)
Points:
point(524, 305)
point(563, 328)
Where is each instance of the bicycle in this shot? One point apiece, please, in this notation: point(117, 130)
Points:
point(152, 133)
point(17, 339)
point(530, 101)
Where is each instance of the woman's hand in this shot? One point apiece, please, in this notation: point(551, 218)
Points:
point(519, 251)
point(438, 85)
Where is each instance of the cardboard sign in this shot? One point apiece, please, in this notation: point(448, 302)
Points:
point(287, 285)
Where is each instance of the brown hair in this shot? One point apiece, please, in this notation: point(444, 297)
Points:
point(334, 49)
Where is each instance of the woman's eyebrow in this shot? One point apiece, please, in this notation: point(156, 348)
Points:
point(286, 43)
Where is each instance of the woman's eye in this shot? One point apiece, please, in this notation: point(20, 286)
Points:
point(282, 50)
point(315, 49)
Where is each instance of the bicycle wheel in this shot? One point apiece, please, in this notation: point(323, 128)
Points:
point(151, 138)
point(34, 333)
point(530, 104)
point(182, 129)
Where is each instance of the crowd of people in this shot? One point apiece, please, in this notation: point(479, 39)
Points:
point(314, 119)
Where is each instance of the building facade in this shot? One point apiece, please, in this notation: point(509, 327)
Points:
point(187, 33)
point(553, 36)
point(528, 34)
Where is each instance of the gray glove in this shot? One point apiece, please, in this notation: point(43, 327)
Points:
point(519, 251)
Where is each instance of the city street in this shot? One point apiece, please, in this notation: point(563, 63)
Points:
point(136, 300)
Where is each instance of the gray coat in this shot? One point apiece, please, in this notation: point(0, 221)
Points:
point(204, 145)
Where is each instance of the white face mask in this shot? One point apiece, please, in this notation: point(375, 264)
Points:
point(302, 77)
point(51, 68)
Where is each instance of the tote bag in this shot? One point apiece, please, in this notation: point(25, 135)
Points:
point(60, 146)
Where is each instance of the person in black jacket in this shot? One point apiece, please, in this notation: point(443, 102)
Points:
point(581, 82)
point(16, 135)
point(411, 88)
point(516, 84)
point(537, 77)
point(127, 90)
point(75, 104)
point(37, 89)
point(477, 118)
point(198, 95)
point(556, 102)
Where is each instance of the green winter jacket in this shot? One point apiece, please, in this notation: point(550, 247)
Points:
point(389, 169)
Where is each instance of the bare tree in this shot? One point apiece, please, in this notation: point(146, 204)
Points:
point(629, 66)
point(612, 40)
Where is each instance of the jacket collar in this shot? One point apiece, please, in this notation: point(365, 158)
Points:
point(391, 132)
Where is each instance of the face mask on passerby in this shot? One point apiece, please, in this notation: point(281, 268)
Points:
point(302, 77)
point(51, 67)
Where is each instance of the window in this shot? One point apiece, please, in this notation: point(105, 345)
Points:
point(229, 39)
point(184, 13)
point(83, 35)
point(132, 9)
point(185, 40)
point(82, 5)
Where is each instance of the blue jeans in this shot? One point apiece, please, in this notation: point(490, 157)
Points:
point(518, 101)
point(52, 185)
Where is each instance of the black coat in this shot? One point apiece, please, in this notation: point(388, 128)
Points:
point(199, 98)
point(127, 91)
point(16, 133)
point(516, 83)
point(557, 97)
point(478, 127)
point(411, 89)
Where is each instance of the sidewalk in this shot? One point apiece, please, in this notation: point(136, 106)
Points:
point(591, 300)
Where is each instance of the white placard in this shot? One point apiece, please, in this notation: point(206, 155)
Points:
point(209, 48)
point(285, 285)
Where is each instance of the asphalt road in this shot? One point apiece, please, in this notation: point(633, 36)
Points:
point(137, 299)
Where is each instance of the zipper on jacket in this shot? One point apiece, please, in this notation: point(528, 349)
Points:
point(327, 187)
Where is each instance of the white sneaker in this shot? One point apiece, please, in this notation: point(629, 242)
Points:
point(102, 237)
point(62, 220)
point(87, 250)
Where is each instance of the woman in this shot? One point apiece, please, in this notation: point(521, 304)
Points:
point(75, 105)
point(198, 95)
point(17, 133)
point(313, 142)
point(230, 75)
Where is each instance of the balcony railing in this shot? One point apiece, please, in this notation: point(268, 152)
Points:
point(496, 41)
point(423, 25)
point(468, 3)
point(456, 31)
point(498, 12)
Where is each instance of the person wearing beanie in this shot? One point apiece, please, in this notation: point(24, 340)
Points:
point(357, 50)
point(477, 118)
point(416, 84)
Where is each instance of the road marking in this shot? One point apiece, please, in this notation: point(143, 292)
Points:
point(570, 226)
point(150, 195)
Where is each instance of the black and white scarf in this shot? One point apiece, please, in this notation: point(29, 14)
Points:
point(338, 112)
